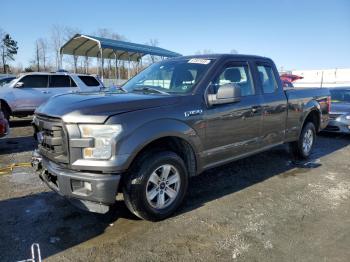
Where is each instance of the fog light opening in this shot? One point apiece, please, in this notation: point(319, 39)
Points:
point(80, 187)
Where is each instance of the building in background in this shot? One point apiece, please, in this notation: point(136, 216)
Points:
point(325, 78)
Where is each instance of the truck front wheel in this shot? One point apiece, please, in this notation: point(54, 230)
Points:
point(156, 186)
point(302, 148)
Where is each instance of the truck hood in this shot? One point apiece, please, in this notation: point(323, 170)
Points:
point(96, 107)
point(340, 107)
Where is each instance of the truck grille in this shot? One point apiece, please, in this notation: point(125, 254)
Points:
point(52, 141)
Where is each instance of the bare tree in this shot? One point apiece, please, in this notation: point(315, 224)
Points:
point(57, 38)
point(69, 32)
point(43, 49)
point(153, 42)
point(37, 56)
point(40, 56)
point(204, 52)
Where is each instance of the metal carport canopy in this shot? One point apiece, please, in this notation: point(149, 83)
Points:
point(92, 46)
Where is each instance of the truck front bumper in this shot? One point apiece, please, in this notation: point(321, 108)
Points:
point(89, 191)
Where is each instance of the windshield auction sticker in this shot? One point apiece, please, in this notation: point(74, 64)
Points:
point(199, 61)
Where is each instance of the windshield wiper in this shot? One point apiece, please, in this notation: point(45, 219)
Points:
point(147, 88)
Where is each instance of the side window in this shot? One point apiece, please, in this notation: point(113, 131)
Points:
point(89, 80)
point(61, 81)
point(267, 79)
point(35, 81)
point(237, 74)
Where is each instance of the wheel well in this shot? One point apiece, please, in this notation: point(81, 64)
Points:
point(175, 144)
point(313, 117)
point(3, 104)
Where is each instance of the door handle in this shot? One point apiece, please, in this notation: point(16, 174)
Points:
point(45, 92)
point(255, 108)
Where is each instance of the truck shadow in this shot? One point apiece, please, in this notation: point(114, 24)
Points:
point(20, 139)
point(55, 224)
point(9, 145)
point(233, 177)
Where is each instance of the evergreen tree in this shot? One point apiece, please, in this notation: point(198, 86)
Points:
point(9, 49)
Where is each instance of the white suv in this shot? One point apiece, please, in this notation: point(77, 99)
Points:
point(24, 94)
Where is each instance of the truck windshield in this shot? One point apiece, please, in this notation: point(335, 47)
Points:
point(340, 95)
point(173, 76)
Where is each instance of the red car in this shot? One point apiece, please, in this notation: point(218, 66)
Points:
point(288, 79)
point(4, 125)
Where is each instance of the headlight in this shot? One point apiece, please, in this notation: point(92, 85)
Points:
point(347, 117)
point(103, 136)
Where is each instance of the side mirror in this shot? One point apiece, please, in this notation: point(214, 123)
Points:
point(227, 93)
point(19, 84)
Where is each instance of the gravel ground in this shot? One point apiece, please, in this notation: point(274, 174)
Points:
point(263, 208)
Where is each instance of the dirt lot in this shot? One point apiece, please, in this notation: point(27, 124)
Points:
point(263, 208)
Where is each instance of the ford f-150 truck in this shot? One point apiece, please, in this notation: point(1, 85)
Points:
point(170, 122)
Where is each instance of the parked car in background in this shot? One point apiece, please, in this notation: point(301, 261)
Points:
point(288, 79)
point(340, 110)
point(287, 84)
point(24, 94)
point(4, 125)
point(5, 80)
point(172, 121)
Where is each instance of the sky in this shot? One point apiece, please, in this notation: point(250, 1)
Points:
point(295, 34)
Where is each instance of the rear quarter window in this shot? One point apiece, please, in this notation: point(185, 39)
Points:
point(89, 80)
point(61, 81)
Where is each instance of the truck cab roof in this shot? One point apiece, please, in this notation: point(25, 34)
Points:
point(219, 56)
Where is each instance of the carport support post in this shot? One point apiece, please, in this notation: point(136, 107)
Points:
point(128, 66)
point(86, 64)
point(137, 64)
point(60, 62)
point(101, 55)
point(116, 67)
point(75, 62)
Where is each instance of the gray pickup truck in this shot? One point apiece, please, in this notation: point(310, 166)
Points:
point(170, 122)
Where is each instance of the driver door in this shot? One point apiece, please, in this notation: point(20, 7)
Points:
point(233, 129)
point(32, 93)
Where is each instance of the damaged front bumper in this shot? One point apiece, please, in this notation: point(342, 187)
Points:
point(89, 191)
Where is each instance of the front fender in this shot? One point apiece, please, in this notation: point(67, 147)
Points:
point(131, 144)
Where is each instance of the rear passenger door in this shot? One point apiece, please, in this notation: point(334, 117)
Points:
point(274, 104)
point(61, 84)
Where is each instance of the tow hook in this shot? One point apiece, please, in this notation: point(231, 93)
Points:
point(36, 161)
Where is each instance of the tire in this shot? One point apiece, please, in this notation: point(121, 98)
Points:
point(302, 148)
point(147, 195)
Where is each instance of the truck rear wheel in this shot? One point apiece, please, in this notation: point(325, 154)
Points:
point(302, 148)
point(156, 186)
